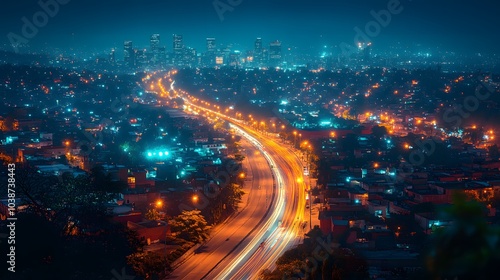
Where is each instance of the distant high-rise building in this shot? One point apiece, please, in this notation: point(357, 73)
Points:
point(234, 59)
point(162, 55)
point(275, 56)
point(154, 41)
point(211, 47)
point(178, 42)
point(128, 53)
point(210, 55)
point(112, 58)
point(155, 48)
point(190, 57)
point(141, 58)
point(178, 48)
point(367, 52)
point(258, 51)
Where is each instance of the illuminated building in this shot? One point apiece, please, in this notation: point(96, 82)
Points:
point(112, 58)
point(178, 48)
point(154, 43)
point(211, 52)
point(128, 53)
point(275, 56)
point(258, 52)
point(211, 47)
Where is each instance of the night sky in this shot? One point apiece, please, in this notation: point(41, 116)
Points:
point(92, 25)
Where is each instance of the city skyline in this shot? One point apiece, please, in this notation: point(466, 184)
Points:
point(304, 25)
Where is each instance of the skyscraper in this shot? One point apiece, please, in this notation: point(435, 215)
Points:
point(155, 48)
point(211, 47)
point(209, 57)
point(155, 42)
point(275, 56)
point(258, 52)
point(128, 53)
point(162, 55)
point(140, 57)
point(112, 58)
point(178, 49)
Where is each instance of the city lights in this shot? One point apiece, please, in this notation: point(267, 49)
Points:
point(349, 141)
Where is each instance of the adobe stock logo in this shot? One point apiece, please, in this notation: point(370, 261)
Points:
point(223, 6)
point(373, 28)
point(50, 8)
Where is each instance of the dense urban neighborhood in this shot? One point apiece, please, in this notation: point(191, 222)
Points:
point(249, 161)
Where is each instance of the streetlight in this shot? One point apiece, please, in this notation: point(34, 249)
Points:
point(159, 203)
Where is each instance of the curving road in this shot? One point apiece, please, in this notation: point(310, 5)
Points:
point(277, 237)
point(239, 230)
point(262, 231)
point(284, 227)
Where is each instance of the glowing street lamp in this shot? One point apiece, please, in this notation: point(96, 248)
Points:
point(159, 203)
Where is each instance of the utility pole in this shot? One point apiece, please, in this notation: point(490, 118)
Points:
point(310, 207)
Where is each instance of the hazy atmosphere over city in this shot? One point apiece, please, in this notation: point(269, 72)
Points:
point(467, 26)
point(249, 139)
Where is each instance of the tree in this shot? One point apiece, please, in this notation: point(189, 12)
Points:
point(239, 157)
point(232, 194)
point(153, 215)
point(148, 265)
point(494, 152)
point(469, 247)
point(344, 265)
point(379, 131)
point(5, 159)
point(289, 270)
point(41, 249)
point(71, 203)
point(191, 226)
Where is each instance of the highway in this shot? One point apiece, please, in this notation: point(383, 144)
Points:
point(277, 237)
point(284, 228)
point(281, 229)
point(238, 231)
